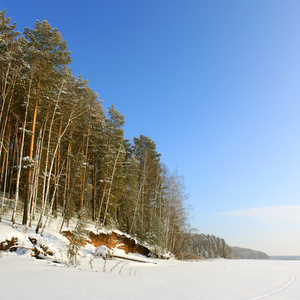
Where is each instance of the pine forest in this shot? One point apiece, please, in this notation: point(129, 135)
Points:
point(62, 155)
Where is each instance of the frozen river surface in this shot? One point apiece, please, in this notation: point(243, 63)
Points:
point(22, 277)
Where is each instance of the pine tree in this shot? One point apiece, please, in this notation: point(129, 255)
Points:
point(111, 168)
point(130, 196)
point(149, 168)
point(47, 55)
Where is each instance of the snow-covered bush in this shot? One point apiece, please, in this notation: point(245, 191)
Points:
point(103, 251)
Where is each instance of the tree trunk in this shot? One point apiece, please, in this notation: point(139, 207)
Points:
point(56, 172)
point(52, 200)
point(111, 181)
point(85, 159)
point(29, 179)
point(94, 187)
point(21, 155)
point(4, 188)
point(67, 182)
point(36, 172)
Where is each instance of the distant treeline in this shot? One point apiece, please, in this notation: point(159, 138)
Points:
point(243, 253)
point(206, 246)
point(61, 153)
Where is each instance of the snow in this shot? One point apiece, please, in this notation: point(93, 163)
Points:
point(102, 251)
point(24, 277)
point(217, 279)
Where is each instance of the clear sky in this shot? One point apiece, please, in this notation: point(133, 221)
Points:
point(216, 84)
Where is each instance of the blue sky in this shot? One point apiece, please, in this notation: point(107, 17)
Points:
point(216, 85)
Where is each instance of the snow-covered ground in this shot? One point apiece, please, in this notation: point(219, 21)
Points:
point(24, 277)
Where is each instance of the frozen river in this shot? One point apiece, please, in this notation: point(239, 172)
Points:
point(22, 277)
